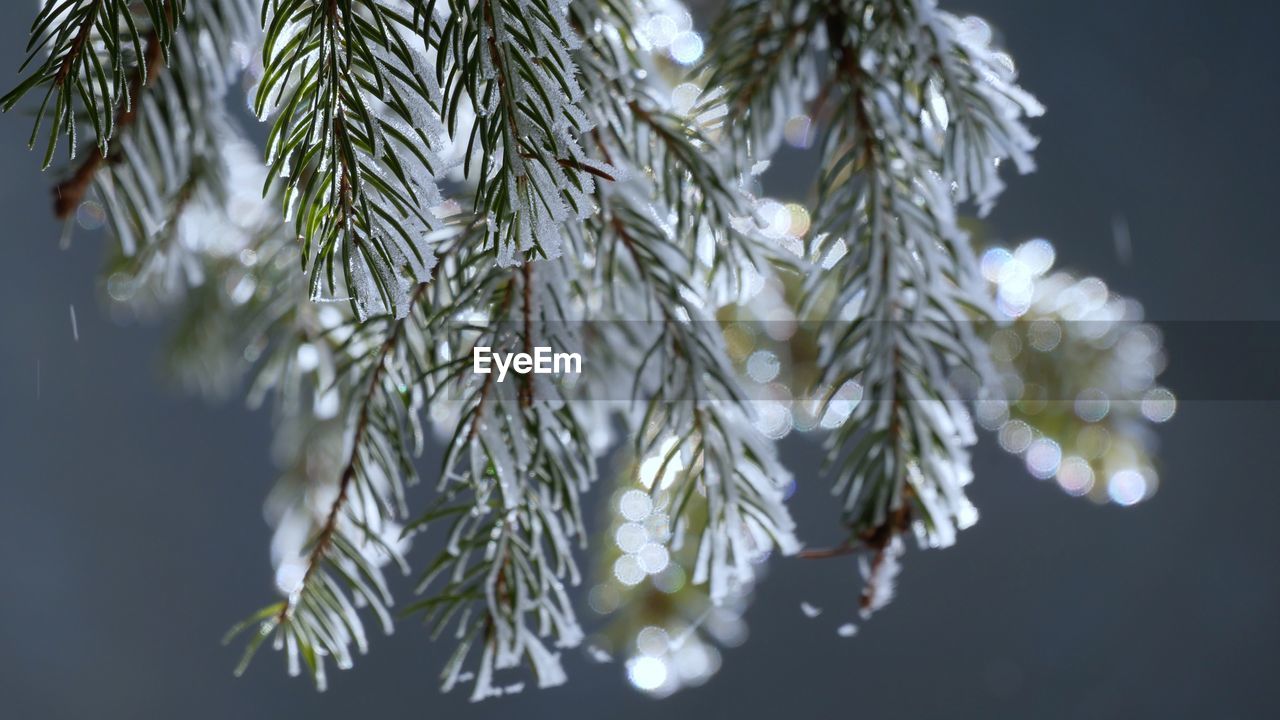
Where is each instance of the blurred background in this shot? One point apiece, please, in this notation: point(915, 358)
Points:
point(131, 531)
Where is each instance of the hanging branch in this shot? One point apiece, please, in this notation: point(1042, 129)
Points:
point(171, 141)
point(694, 413)
point(762, 65)
point(92, 57)
point(695, 418)
point(512, 476)
point(342, 568)
point(69, 193)
point(356, 145)
point(508, 62)
point(178, 152)
point(373, 103)
point(908, 272)
point(912, 99)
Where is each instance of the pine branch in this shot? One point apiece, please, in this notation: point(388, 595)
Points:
point(761, 63)
point(508, 62)
point(90, 56)
point(636, 130)
point(177, 156)
point(696, 422)
point(910, 276)
point(974, 99)
point(579, 154)
point(356, 145)
point(694, 405)
point(325, 538)
point(69, 193)
point(174, 144)
point(912, 100)
point(511, 480)
point(357, 533)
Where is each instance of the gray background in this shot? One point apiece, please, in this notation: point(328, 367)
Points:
point(131, 533)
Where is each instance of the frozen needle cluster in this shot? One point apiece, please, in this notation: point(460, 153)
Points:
point(447, 175)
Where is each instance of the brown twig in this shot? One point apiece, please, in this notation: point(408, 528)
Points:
point(68, 194)
point(845, 548)
point(77, 46)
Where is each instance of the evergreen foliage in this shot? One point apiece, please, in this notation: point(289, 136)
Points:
point(442, 176)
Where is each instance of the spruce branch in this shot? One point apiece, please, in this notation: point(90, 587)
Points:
point(671, 155)
point(512, 475)
point(909, 274)
point(178, 165)
point(356, 145)
point(761, 64)
point(635, 129)
point(596, 179)
point(172, 142)
point(92, 58)
point(351, 518)
point(911, 102)
point(69, 193)
point(696, 419)
point(973, 97)
point(353, 465)
point(341, 570)
point(508, 62)
point(669, 237)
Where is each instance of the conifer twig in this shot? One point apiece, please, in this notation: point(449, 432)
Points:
point(70, 192)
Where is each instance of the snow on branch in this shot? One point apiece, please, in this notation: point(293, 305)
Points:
point(180, 157)
point(356, 144)
point(353, 529)
point(592, 176)
point(695, 417)
point(513, 472)
point(670, 236)
point(973, 98)
point(918, 110)
point(507, 63)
